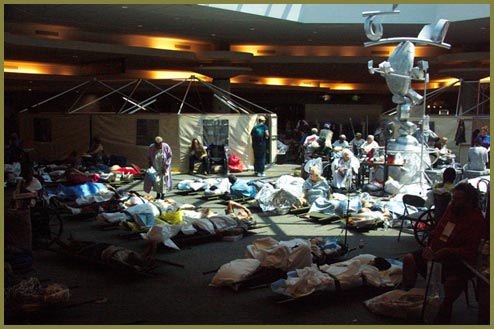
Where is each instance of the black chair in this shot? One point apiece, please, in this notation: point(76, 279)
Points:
point(410, 200)
point(217, 155)
point(426, 223)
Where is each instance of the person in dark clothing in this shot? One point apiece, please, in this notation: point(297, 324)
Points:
point(455, 240)
point(260, 137)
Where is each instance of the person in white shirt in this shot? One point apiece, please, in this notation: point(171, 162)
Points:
point(478, 156)
point(327, 133)
point(339, 145)
point(309, 140)
point(356, 144)
point(369, 145)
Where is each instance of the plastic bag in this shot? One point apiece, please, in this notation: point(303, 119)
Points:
point(151, 174)
point(434, 292)
point(398, 304)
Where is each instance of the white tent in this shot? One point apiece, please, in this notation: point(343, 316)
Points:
point(52, 136)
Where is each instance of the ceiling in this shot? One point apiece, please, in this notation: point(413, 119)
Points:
point(94, 39)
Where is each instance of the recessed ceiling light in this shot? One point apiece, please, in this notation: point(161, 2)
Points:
point(252, 28)
point(124, 7)
point(140, 25)
point(213, 34)
point(314, 32)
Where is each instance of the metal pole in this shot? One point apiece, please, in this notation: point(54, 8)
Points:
point(174, 97)
point(185, 96)
point(421, 170)
point(153, 97)
point(458, 98)
point(56, 96)
point(102, 97)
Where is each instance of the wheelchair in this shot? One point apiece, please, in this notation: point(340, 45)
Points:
point(426, 223)
point(46, 223)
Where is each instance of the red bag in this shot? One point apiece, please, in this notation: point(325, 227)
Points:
point(234, 164)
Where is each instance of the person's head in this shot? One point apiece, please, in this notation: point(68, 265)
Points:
point(358, 136)
point(262, 119)
point(346, 154)
point(370, 138)
point(27, 173)
point(242, 214)
point(465, 196)
point(314, 173)
point(327, 125)
point(232, 178)
point(342, 137)
point(195, 143)
point(477, 142)
point(157, 141)
point(444, 140)
point(449, 175)
point(313, 131)
point(484, 131)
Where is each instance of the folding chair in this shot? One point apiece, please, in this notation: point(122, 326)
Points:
point(410, 200)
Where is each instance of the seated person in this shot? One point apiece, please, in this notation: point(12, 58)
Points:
point(443, 153)
point(455, 240)
point(344, 168)
point(322, 151)
point(314, 187)
point(96, 153)
point(73, 160)
point(29, 183)
point(369, 145)
point(447, 185)
point(478, 157)
point(308, 142)
point(197, 152)
point(240, 188)
point(340, 144)
point(356, 144)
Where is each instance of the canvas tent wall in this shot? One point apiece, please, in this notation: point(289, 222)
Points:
point(53, 136)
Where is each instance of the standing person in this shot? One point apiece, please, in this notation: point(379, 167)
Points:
point(160, 158)
point(455, 241)
point(260, 137)
point(197, 152)
point(327, 133)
